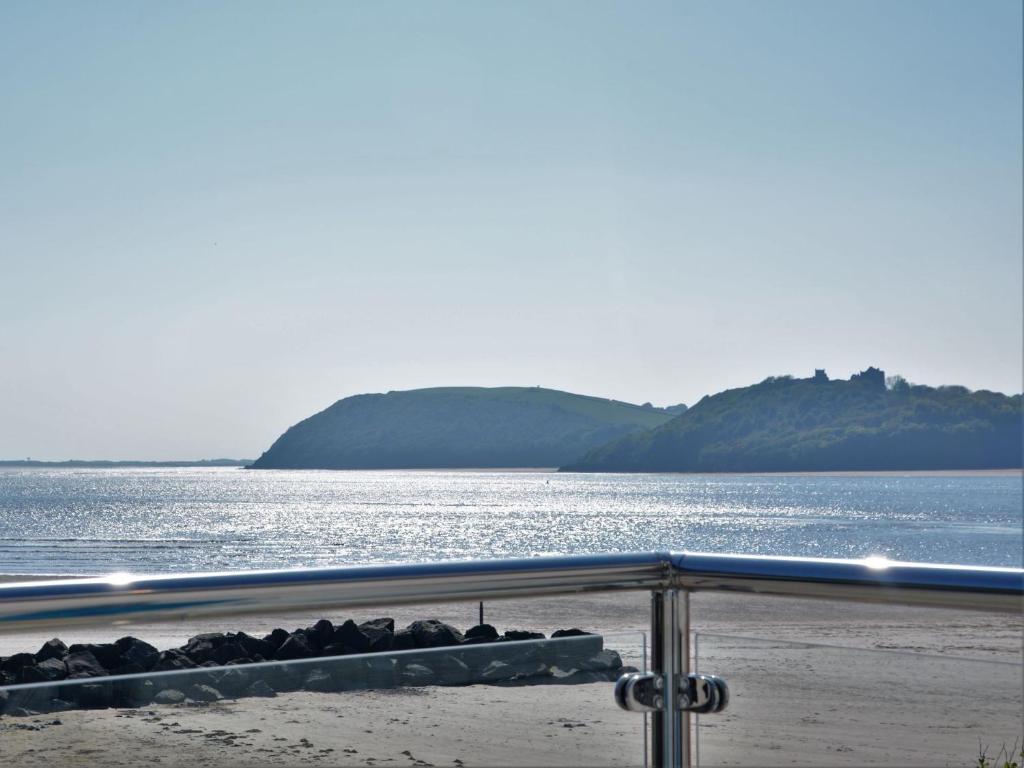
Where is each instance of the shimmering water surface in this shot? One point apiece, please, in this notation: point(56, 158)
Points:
point(151, 520)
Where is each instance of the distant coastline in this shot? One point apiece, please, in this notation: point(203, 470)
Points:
point(102, 463)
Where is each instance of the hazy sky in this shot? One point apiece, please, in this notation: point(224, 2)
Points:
point(218, 218)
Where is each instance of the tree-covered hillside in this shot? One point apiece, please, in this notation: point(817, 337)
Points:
point(457, 427)
point(786, 424)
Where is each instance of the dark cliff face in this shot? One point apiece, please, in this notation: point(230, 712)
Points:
point(456, 427)
point(785, 424)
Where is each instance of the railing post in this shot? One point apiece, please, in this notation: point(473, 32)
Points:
point(670, 658)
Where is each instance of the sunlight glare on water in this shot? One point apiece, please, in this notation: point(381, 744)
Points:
point(158, 520)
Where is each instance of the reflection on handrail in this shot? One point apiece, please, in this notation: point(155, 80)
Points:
point(123, 598)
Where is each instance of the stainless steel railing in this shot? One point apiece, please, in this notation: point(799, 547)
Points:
point(127, 598)
point(669, 577)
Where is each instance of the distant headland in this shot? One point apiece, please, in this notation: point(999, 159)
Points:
point(459, 427)
point(783, 424)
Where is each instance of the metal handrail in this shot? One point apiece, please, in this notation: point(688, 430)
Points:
point(126, 599)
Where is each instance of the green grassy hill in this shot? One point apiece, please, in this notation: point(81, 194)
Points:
point(786, 424)
point(457, 427)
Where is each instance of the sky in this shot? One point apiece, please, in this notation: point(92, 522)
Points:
point(217, 218)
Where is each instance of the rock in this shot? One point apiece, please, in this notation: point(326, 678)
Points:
point(403, 640)
point(133, 693)
point(52, 649)
point(4, 696)
point(520, 634)
point(107, 654)
point(19, 712)
point(275, 640)
point(128, 669)
point(173, 660)
point(233, 682)
point(569, 633)
point(201, 648)
point(254, 646)
point(320, 634)
point(484, 631)
point(169, 696)
point(383, 625)
point(45, 671)
point(202, 692)
point(135, 651)
point(13, 665)
point(351, 636)
point(295, 647)
point(318, 680)
point(432, 633)
point(83, 664)
point(228, 652)
point(94, 695)
point(260, 688)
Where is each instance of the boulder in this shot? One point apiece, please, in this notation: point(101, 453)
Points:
point(569, 633)
point(201, 648)
point(403, 640)
point(432, 633)
point(203, 692)
point(52, 649)
point(135, 651)
point(521, 634)
point(295, 647)
point(228, 652)
point(351, 636)
point(133, 693)
point(107, 654)
point(253, 645)
point(169, 696)
point(12, 665)
point(275, 640)
point(233, 681)
point(320, 634)
point(83, 664)
point(46, 671)
point(485, 633)
point(173, 660)
point(94, 695)
point(383, 625)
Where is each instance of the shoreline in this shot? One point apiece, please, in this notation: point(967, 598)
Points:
point(997, 472)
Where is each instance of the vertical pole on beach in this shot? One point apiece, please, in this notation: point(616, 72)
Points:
point(670, 658)
point(481, 612)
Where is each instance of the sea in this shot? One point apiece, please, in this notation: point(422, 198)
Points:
point(101, 521)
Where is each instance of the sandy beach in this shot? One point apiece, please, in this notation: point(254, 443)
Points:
point(813, 683)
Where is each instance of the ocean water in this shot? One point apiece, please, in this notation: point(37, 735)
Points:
point(82, 521)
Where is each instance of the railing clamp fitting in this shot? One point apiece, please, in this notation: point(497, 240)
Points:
point(701, 694)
